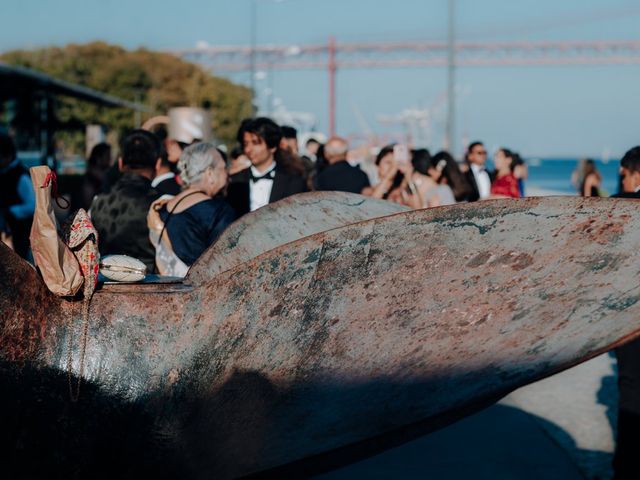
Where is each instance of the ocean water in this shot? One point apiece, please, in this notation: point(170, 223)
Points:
point(555, 174)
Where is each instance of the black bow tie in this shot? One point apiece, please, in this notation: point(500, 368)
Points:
point(267, 176)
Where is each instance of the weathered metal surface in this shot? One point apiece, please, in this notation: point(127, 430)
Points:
point(282, 222)
point(375, 330)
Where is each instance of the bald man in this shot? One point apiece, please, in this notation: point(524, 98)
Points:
point(339, 175)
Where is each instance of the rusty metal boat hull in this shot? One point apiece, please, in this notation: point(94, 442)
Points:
point(319, 349)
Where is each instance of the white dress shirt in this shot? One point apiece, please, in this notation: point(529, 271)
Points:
point(161, 178)
point(482, 181)
point(260, 191)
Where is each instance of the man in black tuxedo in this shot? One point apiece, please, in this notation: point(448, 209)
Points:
point(476, 174)
point(165, 182)
point(627, 454)
point(273, 174)
point(630, 174)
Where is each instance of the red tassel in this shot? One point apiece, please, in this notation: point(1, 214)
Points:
point(52, 179)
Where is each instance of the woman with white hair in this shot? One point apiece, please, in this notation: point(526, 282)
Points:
point(192, 220)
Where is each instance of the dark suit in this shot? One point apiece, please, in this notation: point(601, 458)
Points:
point(627, 195)
point(342, 177)
point(168, 186)
point(474, 194)
point(120, 217)
point(625, 461)
point(285, 184)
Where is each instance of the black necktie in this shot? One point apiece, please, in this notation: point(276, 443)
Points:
point(267, 176)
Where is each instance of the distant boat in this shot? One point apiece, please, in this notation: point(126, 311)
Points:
point(534, 162)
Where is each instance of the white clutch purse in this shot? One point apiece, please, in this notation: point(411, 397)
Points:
point(122, 268)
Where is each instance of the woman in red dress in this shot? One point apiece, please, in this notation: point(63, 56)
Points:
point(505, 184)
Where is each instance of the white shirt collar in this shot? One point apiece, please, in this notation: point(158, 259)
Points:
point(259, 193)
point(161, 178)
point(256, 173)
point(483, 182)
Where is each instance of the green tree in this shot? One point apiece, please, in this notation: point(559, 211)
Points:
point(159, 80)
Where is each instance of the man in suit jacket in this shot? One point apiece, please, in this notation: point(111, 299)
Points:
point(165, 182)
point(339, 175)
point(630, 174)
point(272, 175)
point(476, 174)
point(627, 454)
point(120, 216)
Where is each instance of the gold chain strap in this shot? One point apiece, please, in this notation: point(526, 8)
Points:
point(89, 282)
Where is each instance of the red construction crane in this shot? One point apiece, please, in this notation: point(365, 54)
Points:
point(333, 56)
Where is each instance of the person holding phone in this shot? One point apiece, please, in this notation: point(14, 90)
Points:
point(396, 177)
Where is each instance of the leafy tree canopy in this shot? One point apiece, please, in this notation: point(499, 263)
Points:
point(158, 80)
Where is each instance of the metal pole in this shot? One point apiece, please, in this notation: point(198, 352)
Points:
point(45, 129)
point(332, 86)
point(253, 51)
point(137, 116)
point(270, 87)
point(450, 142)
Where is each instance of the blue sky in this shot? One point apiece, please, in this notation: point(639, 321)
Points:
point(540, 111)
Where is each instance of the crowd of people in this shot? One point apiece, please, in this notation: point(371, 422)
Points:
point(164, 202)
point(174, 200)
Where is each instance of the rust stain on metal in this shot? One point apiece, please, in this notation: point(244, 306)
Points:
point(389, 326)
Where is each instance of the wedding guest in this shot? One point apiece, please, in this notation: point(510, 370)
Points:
point(505, 184)
point(195, 218)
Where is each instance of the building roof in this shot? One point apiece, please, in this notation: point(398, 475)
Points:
point(38, 80)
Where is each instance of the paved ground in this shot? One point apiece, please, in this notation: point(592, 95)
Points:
point(558, 428)
point(579, 411)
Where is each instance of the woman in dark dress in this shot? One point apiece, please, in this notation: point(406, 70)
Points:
point(192, 220)
point(592, 180)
